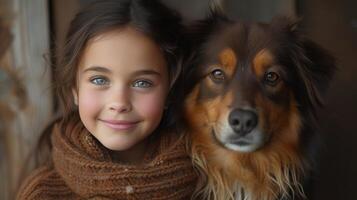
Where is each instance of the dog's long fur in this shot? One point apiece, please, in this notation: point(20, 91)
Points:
point(245, 52)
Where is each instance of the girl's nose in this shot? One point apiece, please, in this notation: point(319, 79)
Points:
point(120, 103)
point(120, 107)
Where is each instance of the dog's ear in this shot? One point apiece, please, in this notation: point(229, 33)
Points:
point(315, 67)
point(200, 29)
point(216, 9)
point(285, 24)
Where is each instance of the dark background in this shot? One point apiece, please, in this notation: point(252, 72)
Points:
point(333, 24)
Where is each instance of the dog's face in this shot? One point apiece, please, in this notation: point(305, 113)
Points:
point(256, 84)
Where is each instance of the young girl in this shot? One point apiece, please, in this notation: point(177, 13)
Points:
point(117, 139)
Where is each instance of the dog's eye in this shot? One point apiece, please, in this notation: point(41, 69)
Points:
point(271, 78)
point(217, 75)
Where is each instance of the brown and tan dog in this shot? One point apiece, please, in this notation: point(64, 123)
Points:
point(252, 94)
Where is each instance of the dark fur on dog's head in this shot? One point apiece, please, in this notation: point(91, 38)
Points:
point(253, 90)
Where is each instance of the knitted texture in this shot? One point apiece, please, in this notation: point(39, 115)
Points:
point(83, 169)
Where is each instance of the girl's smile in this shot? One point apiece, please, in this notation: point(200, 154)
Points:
point(121, 125)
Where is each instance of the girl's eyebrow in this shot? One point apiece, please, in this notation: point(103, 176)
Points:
point(147, 72)
point(97, 69)
point(137, 73)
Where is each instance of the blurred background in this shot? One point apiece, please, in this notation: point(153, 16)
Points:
point(32, 32)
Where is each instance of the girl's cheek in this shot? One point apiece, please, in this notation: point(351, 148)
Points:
point(151, 105)
point(89, 100)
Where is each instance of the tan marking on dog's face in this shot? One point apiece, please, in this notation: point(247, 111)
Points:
point(228, 59)
point(262, 60)
point(281, 121)
point(271, 116)
point(193, 110)
point(290, 132)
point(224, 108)
point(216, 109)
point(208, 114)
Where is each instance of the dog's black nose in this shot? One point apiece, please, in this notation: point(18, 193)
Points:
point(242, 121)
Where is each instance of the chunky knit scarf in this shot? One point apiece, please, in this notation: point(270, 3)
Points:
point(84, 169)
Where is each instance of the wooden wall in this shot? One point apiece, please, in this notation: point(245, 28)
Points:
point(23, 66)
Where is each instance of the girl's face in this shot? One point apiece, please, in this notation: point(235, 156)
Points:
point(122, 87)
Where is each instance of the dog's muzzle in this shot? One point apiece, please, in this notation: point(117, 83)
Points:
point(242, 121)
point(240, 131)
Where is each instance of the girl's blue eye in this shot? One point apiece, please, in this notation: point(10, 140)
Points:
point(142, 84)
point(99, 81)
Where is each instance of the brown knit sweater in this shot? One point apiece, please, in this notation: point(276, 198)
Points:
point(83, 169)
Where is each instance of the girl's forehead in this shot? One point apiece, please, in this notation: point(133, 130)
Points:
point(123, 47)
point(124, 31)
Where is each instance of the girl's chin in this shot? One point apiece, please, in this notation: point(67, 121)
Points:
point(118, 146)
